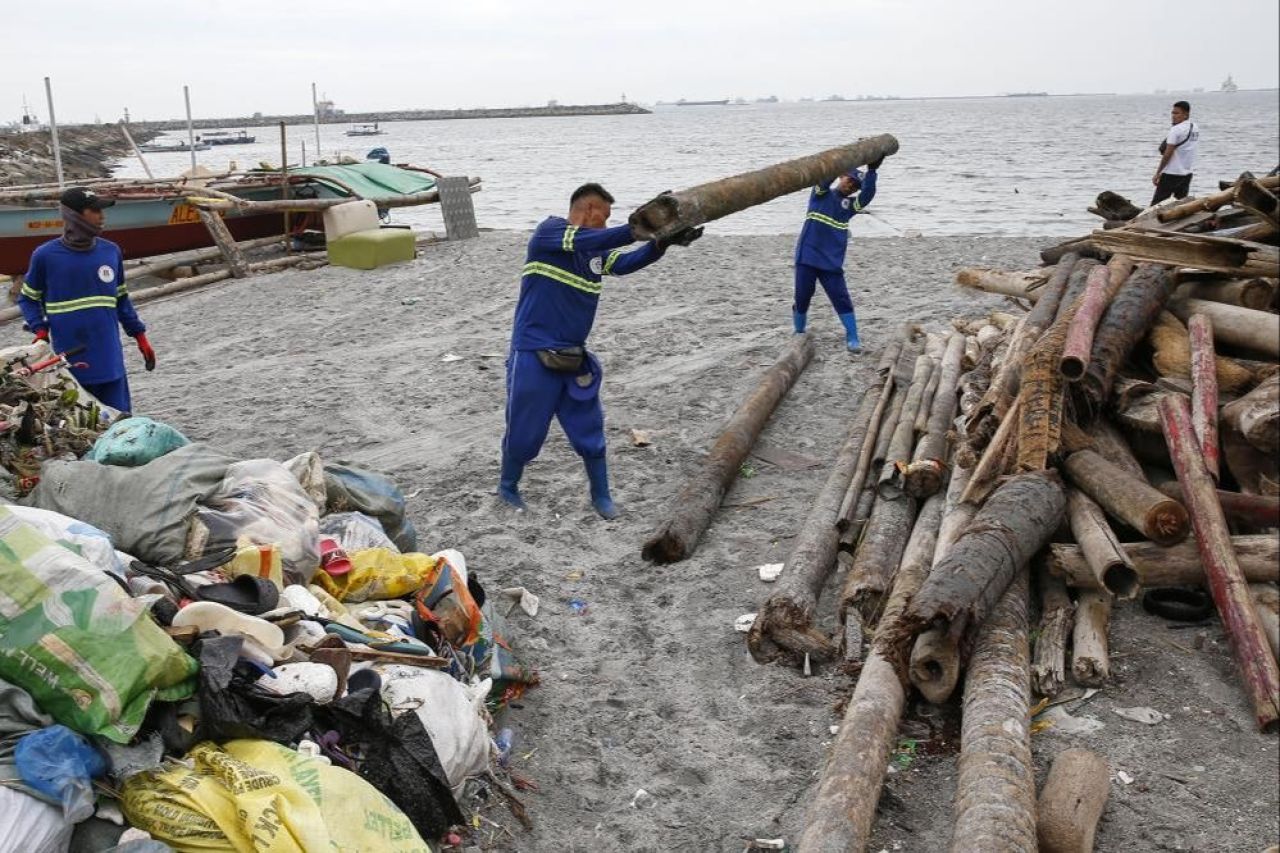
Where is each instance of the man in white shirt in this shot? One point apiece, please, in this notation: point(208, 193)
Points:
point(1177, 156)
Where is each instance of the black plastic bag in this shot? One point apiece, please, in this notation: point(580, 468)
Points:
point(232, 706)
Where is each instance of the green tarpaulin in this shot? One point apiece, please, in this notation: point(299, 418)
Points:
point(371, 180)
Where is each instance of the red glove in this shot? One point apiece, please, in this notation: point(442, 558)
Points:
point(148, 354)
point(41, 335)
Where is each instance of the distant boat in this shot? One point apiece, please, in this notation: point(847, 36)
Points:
point(226, 137)
point(1228, 85)
point(772, 99)
point(834, 98)
point(172, 147)
point(365, 130)
point(683, 103)
point(1027, 95)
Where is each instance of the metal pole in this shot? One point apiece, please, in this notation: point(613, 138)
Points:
point(284, 185)
point(53, 133)
point(304, 153)
point(124, 128)
point(191, 133)
point(315, 111)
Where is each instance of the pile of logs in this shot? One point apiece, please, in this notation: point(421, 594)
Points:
point(1117, 436)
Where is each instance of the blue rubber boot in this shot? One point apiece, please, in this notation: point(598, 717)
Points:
point(798, 319)
point(509, 482)
point(598, 475)
point(851, 331)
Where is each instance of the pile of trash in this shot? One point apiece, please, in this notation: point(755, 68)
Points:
point(199, 652)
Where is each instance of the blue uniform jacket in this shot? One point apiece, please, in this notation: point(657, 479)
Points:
point(825, 235)
point(80, 297)
point(563, 277)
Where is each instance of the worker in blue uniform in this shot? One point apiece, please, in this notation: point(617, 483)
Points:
point(821, 248)
point(550, 373)
point(74, 295)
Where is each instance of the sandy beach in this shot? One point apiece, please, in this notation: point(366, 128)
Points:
point(401, 370)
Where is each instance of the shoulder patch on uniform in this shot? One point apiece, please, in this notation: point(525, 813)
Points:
point(844, 202)
point(106, 274)
point(597, 265)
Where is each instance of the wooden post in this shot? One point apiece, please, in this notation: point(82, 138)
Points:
point(1111, 567)
point(996, 788)
point(225, 242)
point(1103, 284)
point(1258, 556)
point(1127, 498)
point(928, 468)
point(1048, 671)
point(1090, 662)
point(1255, 293)
point(53, 133)
point(1072, 801)
point(690, 513)
point(124, 128)
point(870, 577)
point(1226, 580)
point(1204, 391)
point(284, 186)
point(1258, 331)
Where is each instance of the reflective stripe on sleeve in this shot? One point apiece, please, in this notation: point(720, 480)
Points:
point(32, 294)
point(567, 242)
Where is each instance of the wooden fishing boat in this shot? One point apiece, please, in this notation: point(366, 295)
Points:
point(365, 130)
point(226, 137)
point(155, 217)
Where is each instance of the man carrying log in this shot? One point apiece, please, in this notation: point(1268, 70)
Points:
point(1177, 156)
point(74, 295)
point(824, 238)
point(550, 373)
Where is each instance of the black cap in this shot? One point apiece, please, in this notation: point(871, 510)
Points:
point(81, 199)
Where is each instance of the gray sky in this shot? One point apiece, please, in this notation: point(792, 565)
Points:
point(240, 56)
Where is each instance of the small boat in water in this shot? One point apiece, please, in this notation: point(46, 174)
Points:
point(365, 130)
point(226, 137)
point(683, 103)
point(1228, 85)
point(173, 147)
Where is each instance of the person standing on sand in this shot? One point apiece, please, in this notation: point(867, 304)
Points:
point(1177, 155)
point(74, 296)
point(550, 373)
point(820, 251)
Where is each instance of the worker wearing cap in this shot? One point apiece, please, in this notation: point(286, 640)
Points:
point(821, 249)
point(550, 373)
point(74, 295)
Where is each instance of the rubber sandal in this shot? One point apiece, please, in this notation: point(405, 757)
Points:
point(211, 616)
point(333, 560)
point(1179, 604)
point(247, 594)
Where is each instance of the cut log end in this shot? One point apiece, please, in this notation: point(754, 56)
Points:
point(1072, 368)
point(664, 547)
point(924, 478)
point(1168, 523)
point(935, 666)
point(1121, 580)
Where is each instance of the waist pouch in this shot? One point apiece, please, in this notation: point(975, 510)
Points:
point(567, 360)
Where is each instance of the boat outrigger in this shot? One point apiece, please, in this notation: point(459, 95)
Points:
point(154, 217)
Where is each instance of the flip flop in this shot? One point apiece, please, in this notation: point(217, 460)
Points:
point(246, 593)
point(334, 560)
point(211, 616)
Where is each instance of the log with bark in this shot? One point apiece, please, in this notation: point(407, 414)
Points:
point(1114, 207)
point(1103, 284)
point(1240, 258)
point(1048, 670)
point(1111, 566)
point(1080, 245)
point(1261, 511)
point(1125, 323)
point(1255, 293)
point(928, 469)
point(1072, 801)
point(1111, 444)
point(1256, 416)
point(965, 585)
point(1090, 661)
point(1209, 202)
point(1077, 284)
point(1258, 556)
point(1227, 582)
point(997, 459)
point(1256, 198)
point(1266, 601)
point(996, 787)
point(840, 815)
point(788, 613)
point(1172, 357)
point(870, 576)
point(1256, 331)
point(1128, 498)
point(1041, 397)
point(1022, 285)
point(889, 483)
point(1204, 390)
point(690, 514)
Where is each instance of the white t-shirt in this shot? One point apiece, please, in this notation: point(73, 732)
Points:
point(1183, 160)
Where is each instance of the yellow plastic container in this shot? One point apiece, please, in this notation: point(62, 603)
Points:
point(261, 561)
point(367, 250)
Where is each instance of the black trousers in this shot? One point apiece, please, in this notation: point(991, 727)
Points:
point(1176, 186)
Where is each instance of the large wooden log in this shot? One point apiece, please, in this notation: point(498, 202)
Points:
point(858, 504)
point(1258, 556)
point(672, 212)
point(1103, 284)
point(225, 242)
point(996, 788)
point(1172, 357)
point(792, 606)
point(1256, 416)
point(1256, 331)
point(1209, 202)
point(1111, 444)
point(1242, 258)
point(889, 484)
point(841, 813)
point(928, 469)
point(1204, 391)
point(1080, 245)
point(966, 584)
point(1227, 582)
point(1048, 669)
point(1256, 198)
point(690, 513)
point(1126, 322)
point(1077, 284)
point(1072, 801)
point(1090, 660)
point(870, 577)
point(1022, 285)
point(1111, 566)
point(1256, 293)
point(1260, 511)
point(1041, 397)
point(1127, 498)
point(1266, 601)
point(997, 459)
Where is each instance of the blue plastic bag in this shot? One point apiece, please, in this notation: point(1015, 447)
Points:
point(135, 441)
point(61, 765)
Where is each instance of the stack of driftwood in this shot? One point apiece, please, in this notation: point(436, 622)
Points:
point(1118, 437)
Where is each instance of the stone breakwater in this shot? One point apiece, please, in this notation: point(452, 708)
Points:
point(27, 158)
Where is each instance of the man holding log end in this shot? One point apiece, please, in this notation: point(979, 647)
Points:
point(824, 238)
point(1177, 155)
point(550, 373)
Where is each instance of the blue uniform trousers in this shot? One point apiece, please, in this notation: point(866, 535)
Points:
point(536, 394)
point(832, 282)
point(114, 393)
